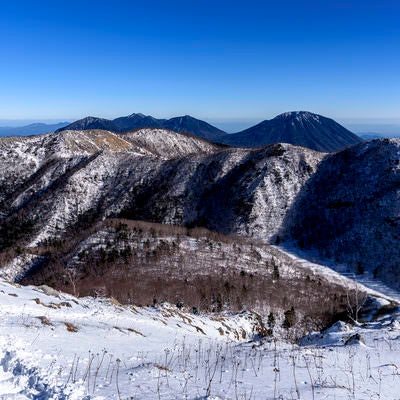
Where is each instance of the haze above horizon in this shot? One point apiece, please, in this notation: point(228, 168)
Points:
point(217, 61)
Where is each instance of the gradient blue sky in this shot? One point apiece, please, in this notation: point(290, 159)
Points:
point(217, 60)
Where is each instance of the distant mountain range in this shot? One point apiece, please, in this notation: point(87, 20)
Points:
point(388, 129)
point(370, 135)
point(184, 124)
point(31, 129)
point(299, 128)
point(292, 127)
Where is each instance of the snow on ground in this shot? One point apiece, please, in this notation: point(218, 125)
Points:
point(55, 346)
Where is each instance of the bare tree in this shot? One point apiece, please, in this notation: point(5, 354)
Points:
point(356, 299)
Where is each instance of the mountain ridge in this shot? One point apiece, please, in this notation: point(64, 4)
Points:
point(183, 184)
point(183, 124)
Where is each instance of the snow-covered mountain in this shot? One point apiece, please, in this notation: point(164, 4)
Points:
point(300, 128)
point(56, 180)
point(345, 204)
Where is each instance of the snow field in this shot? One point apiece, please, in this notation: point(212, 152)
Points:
point(53, 346)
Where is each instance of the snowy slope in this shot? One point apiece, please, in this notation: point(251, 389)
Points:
point(311, 259)
point(168, 144)
point(350, 210)
point(53, 346)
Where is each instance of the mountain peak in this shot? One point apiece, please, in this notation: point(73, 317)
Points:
point(191, 125)
point(90, 123)
point(136, 115)
point(184, 118)
point(301, 128)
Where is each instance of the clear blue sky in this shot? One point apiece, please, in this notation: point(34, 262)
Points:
point(217, 60)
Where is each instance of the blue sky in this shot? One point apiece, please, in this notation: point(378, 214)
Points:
point(222, 61)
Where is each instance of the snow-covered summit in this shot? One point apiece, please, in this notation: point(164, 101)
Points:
point(168, 144)
point(299, 116)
